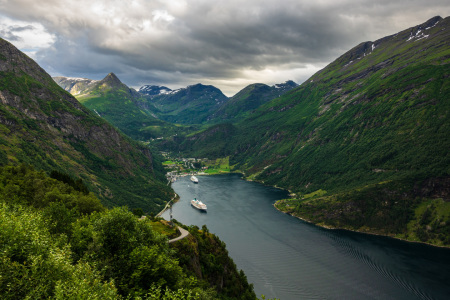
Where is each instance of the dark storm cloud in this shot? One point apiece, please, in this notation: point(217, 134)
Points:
point(180, 42)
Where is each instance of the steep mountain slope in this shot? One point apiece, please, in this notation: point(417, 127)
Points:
point(250, 98)
point(388, 98)
point(123, 107)
point(191, 105)
point(368, 133)
point(117, 103)
point(42, 125)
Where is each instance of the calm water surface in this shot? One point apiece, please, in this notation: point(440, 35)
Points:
point(287, 258)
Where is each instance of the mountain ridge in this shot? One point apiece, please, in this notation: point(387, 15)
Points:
point(248, 99)
point(154, 90)
point(42, 125)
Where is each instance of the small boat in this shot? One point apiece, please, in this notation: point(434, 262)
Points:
point(194, 179)
point(198, 204)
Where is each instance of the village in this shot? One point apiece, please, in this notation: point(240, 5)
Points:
point(178, 166)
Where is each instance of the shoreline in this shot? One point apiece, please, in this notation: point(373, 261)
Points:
point(356, 231)
point(308, 221)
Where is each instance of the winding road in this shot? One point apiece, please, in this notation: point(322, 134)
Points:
point(167, 205)
point(184, 233)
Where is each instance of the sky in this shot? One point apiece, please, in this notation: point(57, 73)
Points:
point(229, 44)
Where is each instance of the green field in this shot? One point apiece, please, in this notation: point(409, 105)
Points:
point(218, 166)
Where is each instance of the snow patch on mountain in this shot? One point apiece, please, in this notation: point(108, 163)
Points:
point(417, 36)
point(154, 90)
point(287, 85)
point(420, 34)
point(81, 79)
point(432, 26)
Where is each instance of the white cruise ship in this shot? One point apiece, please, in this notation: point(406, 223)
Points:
point(194, 179)
point(198, 204)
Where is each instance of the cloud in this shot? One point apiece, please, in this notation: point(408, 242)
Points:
point(30, 38)
point(225, 43)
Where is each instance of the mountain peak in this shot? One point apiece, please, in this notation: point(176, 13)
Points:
point(111, 79)
point(431, 22)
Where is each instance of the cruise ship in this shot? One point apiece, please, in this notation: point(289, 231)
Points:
point(198, 204)
point(194, 179)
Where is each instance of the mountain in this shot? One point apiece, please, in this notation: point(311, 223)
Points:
point(363, 143)
point(124, 107)
point(249, 99)
point(120, 105)
point(199, 104)
point(154, 90)
point(43, 125)
point(191, 105)
point(74, 85)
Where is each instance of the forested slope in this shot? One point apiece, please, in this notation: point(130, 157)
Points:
point(59, 242)
point(42, 125)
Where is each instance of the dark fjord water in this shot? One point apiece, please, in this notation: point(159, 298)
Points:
point(290, 259)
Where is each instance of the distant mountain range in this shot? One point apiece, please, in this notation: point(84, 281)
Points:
point(143, 114)
point(42, 125)
point(74, 85)
point(197, 104)
point(363, 143)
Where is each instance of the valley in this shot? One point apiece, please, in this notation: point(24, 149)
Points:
point(362, 144)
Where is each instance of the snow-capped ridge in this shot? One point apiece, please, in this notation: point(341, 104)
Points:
point(154, 90)
point(80, 79)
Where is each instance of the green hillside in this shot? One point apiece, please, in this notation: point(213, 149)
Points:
point(248, 99)
point(44, 126)
point(126, 109)
point(191, 105)
point(370, 132)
